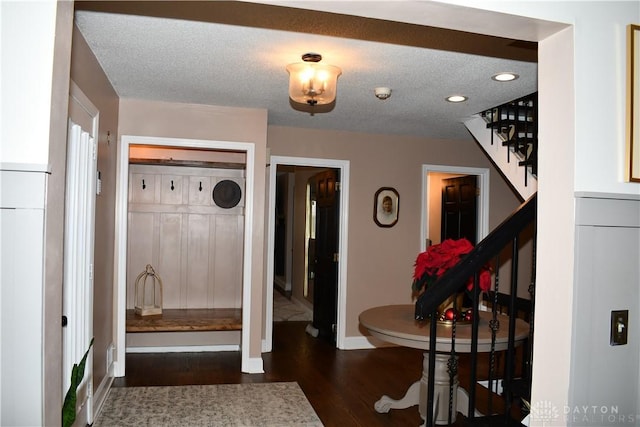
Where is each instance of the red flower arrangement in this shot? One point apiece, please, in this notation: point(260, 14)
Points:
point(437, 259)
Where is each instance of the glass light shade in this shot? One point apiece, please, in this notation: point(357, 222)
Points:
point(313, 83)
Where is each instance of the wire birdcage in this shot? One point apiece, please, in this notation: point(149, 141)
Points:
point(148, 293)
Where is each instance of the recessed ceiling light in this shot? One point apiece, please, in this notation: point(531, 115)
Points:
point(505, 77)
point(456, 98)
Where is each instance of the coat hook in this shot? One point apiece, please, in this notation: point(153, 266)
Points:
point(200, 188)
point(172, 187)
point(143, 185)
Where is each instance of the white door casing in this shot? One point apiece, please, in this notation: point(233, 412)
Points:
point(249, 365)
point(483, 199)
point(343, 165)
point(80, 200)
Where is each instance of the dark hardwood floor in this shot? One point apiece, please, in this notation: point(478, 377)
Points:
point(342, 386)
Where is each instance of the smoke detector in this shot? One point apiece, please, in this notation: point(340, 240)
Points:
point(382, 92)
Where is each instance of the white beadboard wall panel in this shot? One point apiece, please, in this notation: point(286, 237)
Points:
point(170, 261)
point(193, 244)
point(198, 256)
point(211, 265)
point(228, 269)
point(199, 190)
point(171, 190)
point(142, 188)
point(140, 250)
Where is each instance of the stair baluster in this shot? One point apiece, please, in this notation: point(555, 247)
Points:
point(454, 281)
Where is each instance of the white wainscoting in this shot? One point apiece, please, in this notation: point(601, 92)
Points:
point(22, 203)
point(193, 245)
point(607, 278)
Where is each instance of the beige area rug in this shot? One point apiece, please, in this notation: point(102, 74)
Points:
point(285, 310)
point(255, 404)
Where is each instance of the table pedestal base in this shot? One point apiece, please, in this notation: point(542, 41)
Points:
point(440, 390)
point(417, 394)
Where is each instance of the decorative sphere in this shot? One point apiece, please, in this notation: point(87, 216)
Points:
point(450, 314)
point(468, 315)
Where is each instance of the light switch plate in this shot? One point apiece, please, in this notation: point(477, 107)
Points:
point(619, 326)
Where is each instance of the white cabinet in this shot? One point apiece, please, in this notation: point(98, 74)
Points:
point(193, 244)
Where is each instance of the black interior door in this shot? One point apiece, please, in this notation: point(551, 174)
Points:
point(280, 244)
point(460, 208)
point(325, 294)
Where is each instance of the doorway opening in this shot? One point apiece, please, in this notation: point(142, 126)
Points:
point(305, 242)
point(292, 266)
point(120, 259)
point(433, 177)
point(292, 295)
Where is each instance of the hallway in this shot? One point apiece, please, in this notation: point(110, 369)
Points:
point(288, 310)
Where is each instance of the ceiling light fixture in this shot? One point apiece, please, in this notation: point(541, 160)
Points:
point(313, 83)
point(456, 98)
point(505, 77)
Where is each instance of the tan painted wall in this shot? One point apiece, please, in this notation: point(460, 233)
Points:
point(207, 122)
point(380, 260)
point(88, 75)
point(55, 188)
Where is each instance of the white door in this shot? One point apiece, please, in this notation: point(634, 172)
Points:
point(80, 202)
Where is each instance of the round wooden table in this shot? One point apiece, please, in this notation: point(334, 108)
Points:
point(396, 324)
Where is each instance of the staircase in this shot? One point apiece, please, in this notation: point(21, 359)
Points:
point(508, 134)
point(509, 380)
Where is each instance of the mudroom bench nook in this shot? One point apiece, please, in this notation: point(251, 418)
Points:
point(187, 223)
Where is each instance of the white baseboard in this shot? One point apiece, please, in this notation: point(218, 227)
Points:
point(101, 393)
point(354, 343)
point(364, 343)
point(253, 365)
point(183, 349)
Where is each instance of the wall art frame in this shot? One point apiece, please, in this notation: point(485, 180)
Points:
point(633, 104)
point(386, 206)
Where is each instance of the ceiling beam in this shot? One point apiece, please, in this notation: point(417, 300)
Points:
point(323, 23)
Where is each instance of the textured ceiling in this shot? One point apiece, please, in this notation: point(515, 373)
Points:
point(168, 57)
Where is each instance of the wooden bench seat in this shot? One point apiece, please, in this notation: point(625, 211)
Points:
point(187, 320)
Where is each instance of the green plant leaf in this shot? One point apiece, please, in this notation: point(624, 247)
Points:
point(70, 399)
